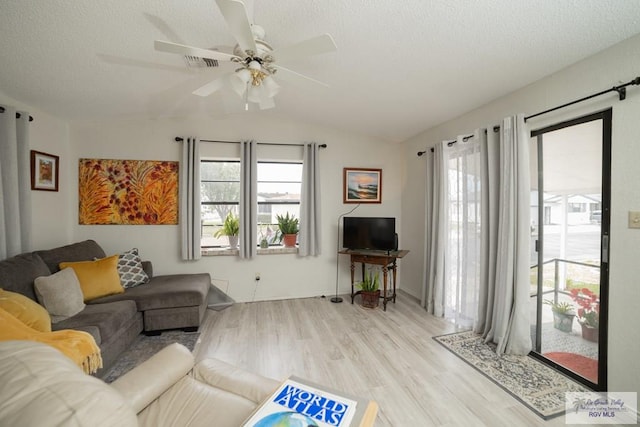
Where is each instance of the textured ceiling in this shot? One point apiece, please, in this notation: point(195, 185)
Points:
point(401, 66)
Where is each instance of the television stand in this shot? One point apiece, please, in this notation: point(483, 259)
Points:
point(387, 259)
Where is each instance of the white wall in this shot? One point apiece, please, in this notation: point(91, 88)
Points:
point(613, 66)
point(282, 276)
point(51, 210)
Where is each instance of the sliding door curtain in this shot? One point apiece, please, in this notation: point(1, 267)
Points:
point(477, 234)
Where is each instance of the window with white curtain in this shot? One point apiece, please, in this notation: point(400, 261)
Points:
point(463, 232)
point(279, 189)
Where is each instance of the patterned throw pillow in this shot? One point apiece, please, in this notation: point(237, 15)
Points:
point(130, 269)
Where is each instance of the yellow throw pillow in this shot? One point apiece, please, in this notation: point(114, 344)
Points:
point(97, 278)
point(26, 310)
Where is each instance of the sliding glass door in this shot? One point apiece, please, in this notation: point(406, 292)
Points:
point(570, 198)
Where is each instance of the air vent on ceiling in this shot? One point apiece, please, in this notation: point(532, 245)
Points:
point(197, 62)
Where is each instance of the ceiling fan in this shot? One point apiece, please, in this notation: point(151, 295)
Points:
point(257, 61)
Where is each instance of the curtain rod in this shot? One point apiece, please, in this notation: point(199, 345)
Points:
point(17, 114)
point(622, 94)
point(180, 139)
point(464, 138)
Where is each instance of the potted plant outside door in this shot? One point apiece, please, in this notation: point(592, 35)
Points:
point(562, 315)
point(588, 313)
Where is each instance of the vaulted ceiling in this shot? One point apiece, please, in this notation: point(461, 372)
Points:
point(401, 66)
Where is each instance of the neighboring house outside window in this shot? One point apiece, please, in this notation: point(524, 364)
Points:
point(220, 195)
point(279, 187)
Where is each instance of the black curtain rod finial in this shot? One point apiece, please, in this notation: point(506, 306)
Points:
point(420, 153)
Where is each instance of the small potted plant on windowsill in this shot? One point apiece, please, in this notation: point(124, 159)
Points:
point(562, 315)
point(231, 229)
point(370, 289)
point(288, 227)
point(588, 313)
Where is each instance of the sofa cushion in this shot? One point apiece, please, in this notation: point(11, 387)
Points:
point(25, 310)
point(40, 386)
point(177, 290)
point(97, 278)
point(18, 273)
point(82, 251)
point(130, 269)
point(60, 294)
point(109, 319)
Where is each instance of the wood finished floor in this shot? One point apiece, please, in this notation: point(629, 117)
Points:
point(389, 357)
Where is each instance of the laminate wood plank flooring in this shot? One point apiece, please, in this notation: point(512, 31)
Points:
point(389, 357)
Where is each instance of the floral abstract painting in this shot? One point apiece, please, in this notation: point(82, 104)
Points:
point(128, 192)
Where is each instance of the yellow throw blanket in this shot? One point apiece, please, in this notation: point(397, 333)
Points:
point(79, 346)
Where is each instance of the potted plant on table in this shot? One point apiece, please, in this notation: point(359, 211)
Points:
point(562, 315)
point(588, 313)
point(370, 289)
point(288, 226)
point(231, 229)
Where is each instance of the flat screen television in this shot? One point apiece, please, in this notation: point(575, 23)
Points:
point(371, 233)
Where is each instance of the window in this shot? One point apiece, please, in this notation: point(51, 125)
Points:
point(279, 188)
point(219, 196)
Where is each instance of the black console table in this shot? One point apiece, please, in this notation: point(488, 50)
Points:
point(387, 259)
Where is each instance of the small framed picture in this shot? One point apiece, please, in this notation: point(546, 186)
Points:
point(362, 185)
point(44, 171)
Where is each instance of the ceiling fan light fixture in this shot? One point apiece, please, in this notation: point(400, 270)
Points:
point(271, 87)
point(239, 81)
point(254, 93)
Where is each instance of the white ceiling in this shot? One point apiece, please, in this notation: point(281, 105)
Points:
point(401, 66)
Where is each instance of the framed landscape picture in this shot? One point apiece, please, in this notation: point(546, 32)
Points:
point(44, 171)
point(362, 185)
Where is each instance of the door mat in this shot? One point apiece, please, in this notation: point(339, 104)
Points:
point(146, 346)
point(584, 366)
point(534, 384)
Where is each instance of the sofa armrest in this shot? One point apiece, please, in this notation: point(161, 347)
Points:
point(232, 379)
point(148, 268)
point(147, 381)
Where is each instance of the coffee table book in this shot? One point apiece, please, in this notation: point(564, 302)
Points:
point(300, 402)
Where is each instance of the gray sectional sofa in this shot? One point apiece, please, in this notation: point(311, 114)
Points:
point(165, 302)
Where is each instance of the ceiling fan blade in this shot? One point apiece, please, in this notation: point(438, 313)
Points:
point(212, 86)
point(314, 46)
point(163, 27)
point(237, 19)
point(133, 62)
point(289, 74)
point(181, 49)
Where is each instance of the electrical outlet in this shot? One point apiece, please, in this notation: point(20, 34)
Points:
point(634, 219)
point(257, 276)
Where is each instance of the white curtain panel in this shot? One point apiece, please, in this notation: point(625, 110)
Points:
point(507, 321)
point(432, 297)
point(190, 199)
point(15, 183)
point(248, 199)
point(490, 199)
point(463, 227)
point(310, 212)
